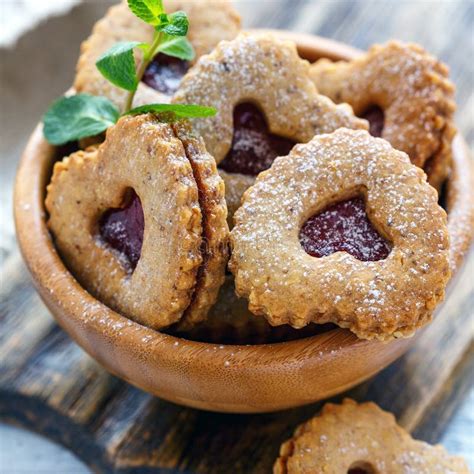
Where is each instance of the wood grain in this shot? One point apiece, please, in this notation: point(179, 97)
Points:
point(117, 428)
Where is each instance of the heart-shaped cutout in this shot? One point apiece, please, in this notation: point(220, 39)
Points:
point(253, 147)
point(164, 73)
point(344, 227)
point(122, 228)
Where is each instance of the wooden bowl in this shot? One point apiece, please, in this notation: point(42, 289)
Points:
point(228, 378)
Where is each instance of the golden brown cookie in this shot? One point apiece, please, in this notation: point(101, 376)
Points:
point(380, 276)
point(361, 438)
point(215, 244)
point(210, 22)
point(405, 93)
point(266, 103)
point(128, 220)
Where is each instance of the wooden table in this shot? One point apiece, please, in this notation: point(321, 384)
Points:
point(67, 396)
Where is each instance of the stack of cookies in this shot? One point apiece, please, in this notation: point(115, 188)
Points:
point(310, 200)
point(328, 174)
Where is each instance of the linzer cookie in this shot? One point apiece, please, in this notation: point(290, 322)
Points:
point(266, 103)
point(405, 94)
point(130, 217)
point(214, 247)
point(361, 438)
point(345, 230)
point(210, 22)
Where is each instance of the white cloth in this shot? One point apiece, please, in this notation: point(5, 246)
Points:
point(19, 16)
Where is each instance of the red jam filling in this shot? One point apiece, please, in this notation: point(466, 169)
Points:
point(375, 116)
point(343, 227)
point(164, 73)
point(123, 228)
point(253, 147)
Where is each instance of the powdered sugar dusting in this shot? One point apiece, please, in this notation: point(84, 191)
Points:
point(268, 72)
point(412, 88)
point(362, 436)
point(380, 299)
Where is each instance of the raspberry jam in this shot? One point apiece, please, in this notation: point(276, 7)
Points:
point(123, 228)
point(343, 227)
point(253, 147)
point(164, 73)
point(375, 116)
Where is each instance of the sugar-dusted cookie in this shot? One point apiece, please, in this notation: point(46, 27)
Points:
point(406, 95)
point(130, 217)
point(210, 21)
point(304, 249)
point(361, 438)
point(266, 103)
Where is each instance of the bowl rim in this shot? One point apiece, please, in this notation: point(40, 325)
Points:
point(123, 346)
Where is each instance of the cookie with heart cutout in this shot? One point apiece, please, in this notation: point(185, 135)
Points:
point(407, 96)
point(129, 218)
point(344, 230)
point(266, 103)
point(361, 438)
point(210, 21)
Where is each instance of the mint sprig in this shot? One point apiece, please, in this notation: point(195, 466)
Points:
point(179, 111)
point(83, 115)
point(118, 65)
point(176, 24)
point(177, 47)
point(147, 10)
point(78, 116)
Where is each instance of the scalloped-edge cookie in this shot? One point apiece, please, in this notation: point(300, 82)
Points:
point(210, 22)
point(382, 299)
point(412, 89)
point(266, 72)
point(361, 438)
point(173, 190)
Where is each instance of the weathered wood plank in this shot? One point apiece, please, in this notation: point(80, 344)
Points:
point(443, 407)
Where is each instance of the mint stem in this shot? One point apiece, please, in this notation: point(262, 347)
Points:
point(147, 58)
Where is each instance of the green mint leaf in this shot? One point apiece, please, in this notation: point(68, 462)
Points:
point(171, 112)
point(78, 116)
point(118, 65)
point(178, 47)
point(177, 24)
point(147, 10)
point(164, 18)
